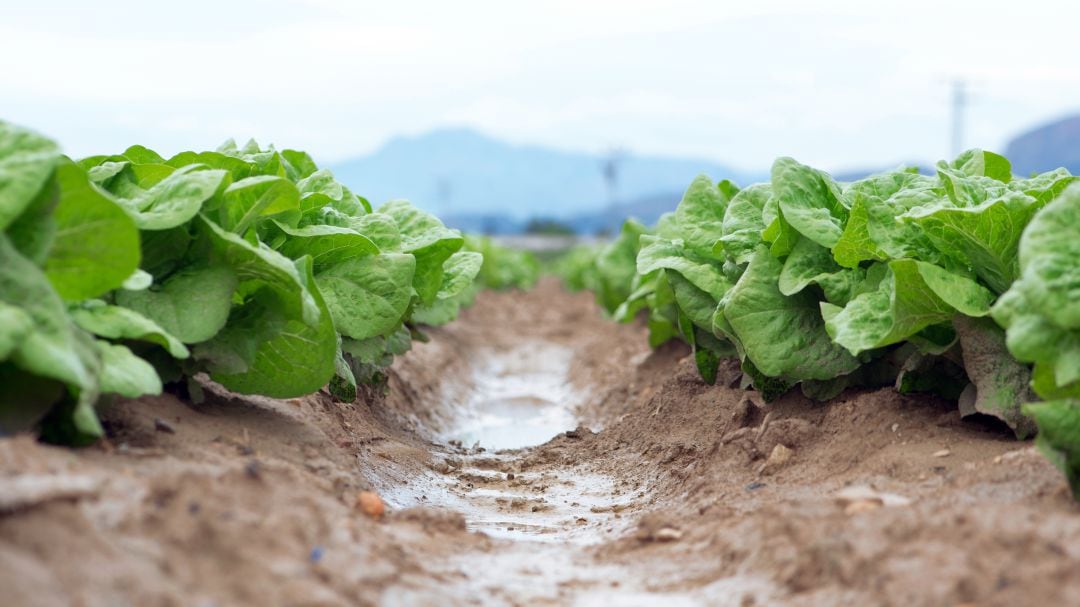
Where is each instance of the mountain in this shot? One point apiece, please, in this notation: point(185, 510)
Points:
point(1047, 147)
point(463, 173)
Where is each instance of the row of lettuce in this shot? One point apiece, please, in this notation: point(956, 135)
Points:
point(252, 265)
point(965, 283)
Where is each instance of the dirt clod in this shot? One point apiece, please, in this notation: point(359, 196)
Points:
point(370, 504)
point(778, 458)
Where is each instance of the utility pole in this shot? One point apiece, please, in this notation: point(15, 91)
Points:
point(609, 167)
point(959, 104)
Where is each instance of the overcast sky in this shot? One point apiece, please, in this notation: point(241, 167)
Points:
point(836, 84)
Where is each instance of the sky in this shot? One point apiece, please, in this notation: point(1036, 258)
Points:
point(835, 84)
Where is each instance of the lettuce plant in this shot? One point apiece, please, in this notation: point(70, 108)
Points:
point(121, 272)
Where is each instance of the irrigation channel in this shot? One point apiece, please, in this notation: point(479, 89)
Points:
point(535, 453)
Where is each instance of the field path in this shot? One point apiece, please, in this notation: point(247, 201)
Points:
point(535, 453)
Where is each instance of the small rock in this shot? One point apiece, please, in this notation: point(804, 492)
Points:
point(163, 426)
point(510, 476)
point(754, 486)
point(861, 493)
point(667, 534)
point(860, 506)
point(942, 453)
point(655, 527)
point(370, 504)
point(779, 457)
point(895, 427)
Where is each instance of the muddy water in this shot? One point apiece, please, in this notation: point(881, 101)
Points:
point(543, 523)
point(515, 399)
point(518, 398)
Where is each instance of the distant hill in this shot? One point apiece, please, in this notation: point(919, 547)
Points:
point(1047, 147)
point(465, 174)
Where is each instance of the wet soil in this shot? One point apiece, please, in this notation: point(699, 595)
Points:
point(534, 453)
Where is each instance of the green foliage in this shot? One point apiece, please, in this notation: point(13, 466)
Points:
point(827, 285)
point(247, 263)
point(1059, 436)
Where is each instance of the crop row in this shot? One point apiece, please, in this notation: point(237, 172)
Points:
point(965, 283)
point(119, 273)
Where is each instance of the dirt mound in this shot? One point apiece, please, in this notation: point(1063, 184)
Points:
point(663, 491)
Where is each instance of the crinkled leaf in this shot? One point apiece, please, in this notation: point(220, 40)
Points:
point(615, 266)
point(431, 242)
point(235, 167)
point(913, 295)
point(985, 237)
point(657, 253)
point(381, 229)
point(783, 336)
point(437, 314)
point(257, 265)
point(327, 245)
point(248, 200)
point(270, 348)
point(874, 230)
point(459, 272)
point(981, 163)
point(696, 304)
point(54, 347)
point(743, 224)
point(810, 263)
point(1034, 338)
point(809, 200)
point(1044, 187)
point(1059, 436)
point(368, 296)
point(300, 162)
point(999, 383)
point(700, 214)
point(1049, 251)
point(172, 201)
point(116, 322)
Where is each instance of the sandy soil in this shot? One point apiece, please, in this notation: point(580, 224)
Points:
point(665, 492)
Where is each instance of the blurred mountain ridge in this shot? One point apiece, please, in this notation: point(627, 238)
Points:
point(479, 183)
point(463, 172)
